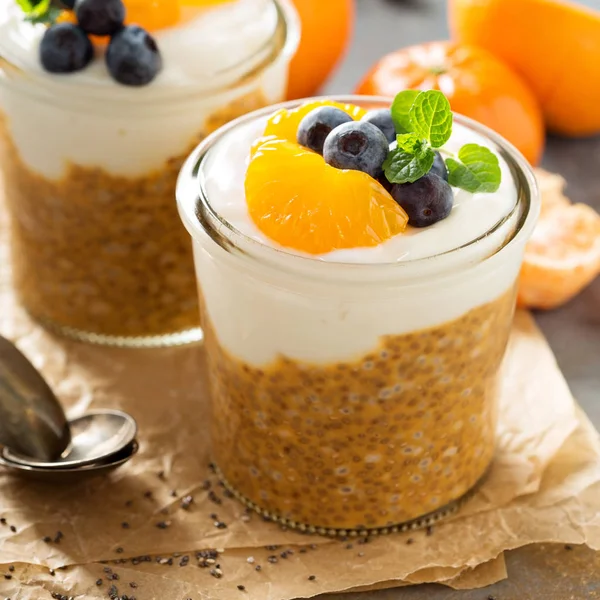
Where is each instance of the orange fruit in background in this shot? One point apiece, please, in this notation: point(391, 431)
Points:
point(476, 83)
point(553, 44)
point(563, 255)
point(326, 29)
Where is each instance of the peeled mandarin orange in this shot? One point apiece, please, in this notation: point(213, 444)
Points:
point(300, 202)
point(284, 123)
point(152, 14)
point(476, 83)
point(553, 44)
point(563, 255)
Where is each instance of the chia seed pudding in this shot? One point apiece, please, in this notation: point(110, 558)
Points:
point(90, 166)
point(354, 390)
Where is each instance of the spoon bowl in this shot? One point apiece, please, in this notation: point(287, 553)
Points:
point(70, 475)
point(32, 422)
point(95, 437)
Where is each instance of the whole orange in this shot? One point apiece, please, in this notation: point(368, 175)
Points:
point(477, 84)
point(553, 44)
point(327, 26)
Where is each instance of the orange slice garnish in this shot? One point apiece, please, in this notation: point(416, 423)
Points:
point(297, 200)
point(284, 123)
point(563, 255)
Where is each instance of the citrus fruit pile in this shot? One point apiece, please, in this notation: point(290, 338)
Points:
point(299, 201)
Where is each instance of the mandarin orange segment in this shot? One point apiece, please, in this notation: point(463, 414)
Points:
point(284, 123)
point(300, 202)
point(152, 14)
point(563, 255)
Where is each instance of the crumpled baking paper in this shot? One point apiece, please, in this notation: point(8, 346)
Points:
point(544, 487)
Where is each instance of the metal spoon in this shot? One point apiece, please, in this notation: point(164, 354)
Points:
point(96, 437)
point(68, 476)
point(32, 421)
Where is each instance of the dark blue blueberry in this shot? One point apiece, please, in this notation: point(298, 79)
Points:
point(439, 167)
point(132, 56)
point(100, 17)
point(426, 201)
point(359, 146)
point(65, 48)
point(382, 119)
point(318, 124)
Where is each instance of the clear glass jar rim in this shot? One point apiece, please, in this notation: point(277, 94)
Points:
point(198, 215)
point(287, 28)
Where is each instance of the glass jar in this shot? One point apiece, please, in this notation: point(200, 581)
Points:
point(90, 166)
point(353, 397)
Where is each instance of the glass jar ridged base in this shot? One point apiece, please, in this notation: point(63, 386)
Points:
point(167, 340)
point(313, 529)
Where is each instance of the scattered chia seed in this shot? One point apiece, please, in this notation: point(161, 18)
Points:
point(271, 548)
point(114, 576)
point(2, 521)
point(214, 498)
point(303, 550)
point(148, 494)
point(258, 568)
point(206, 485)
point(119, 550)
point(133, 585)
point(568, 547)
point(99, 582)
point(314, 546)
point(272, 559)
point(52, 572)
point(59, 536)
point(250, 560)
point(186, 502)
point(125, 525)
point(13, 529)
point(163, 524)
point(216, 573)
point(173, 493)
point(429, 530)
point(227, 494)
point(184, 561)
point(7, 576)
point(11, 569)
point(491, 597)
point(108, 570)
point(312, 577)
point(220, 525)
point(241, 588)
point(129, 503)
point(113, 592)
point(349, 546)
point(284, 554)
point(410, 541)
point(161, 475)
point(213, 516)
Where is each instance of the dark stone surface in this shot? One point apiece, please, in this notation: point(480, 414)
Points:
point(547, 572)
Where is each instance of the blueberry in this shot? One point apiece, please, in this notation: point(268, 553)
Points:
point(100, 17)
point(65, 48)
point(132, 56)
point(426, 201)
point(382, 119)
point(318, 124)
point(439, 167)
point(359, 146)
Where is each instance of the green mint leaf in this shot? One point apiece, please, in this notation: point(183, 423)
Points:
point(401, 108)
point(410, 160)
point(39, 11)
point(477, 171)
point(431, 117)
point(25, 6)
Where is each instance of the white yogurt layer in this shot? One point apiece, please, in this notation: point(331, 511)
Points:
point(336, 307)
point(88, 119)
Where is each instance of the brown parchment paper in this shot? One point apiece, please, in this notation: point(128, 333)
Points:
point(544, 487)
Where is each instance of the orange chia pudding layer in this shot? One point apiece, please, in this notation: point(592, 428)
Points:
point(394, 435)
point(105, 254)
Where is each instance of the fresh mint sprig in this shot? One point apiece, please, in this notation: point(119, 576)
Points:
point(423, 121)
point(39, 11)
